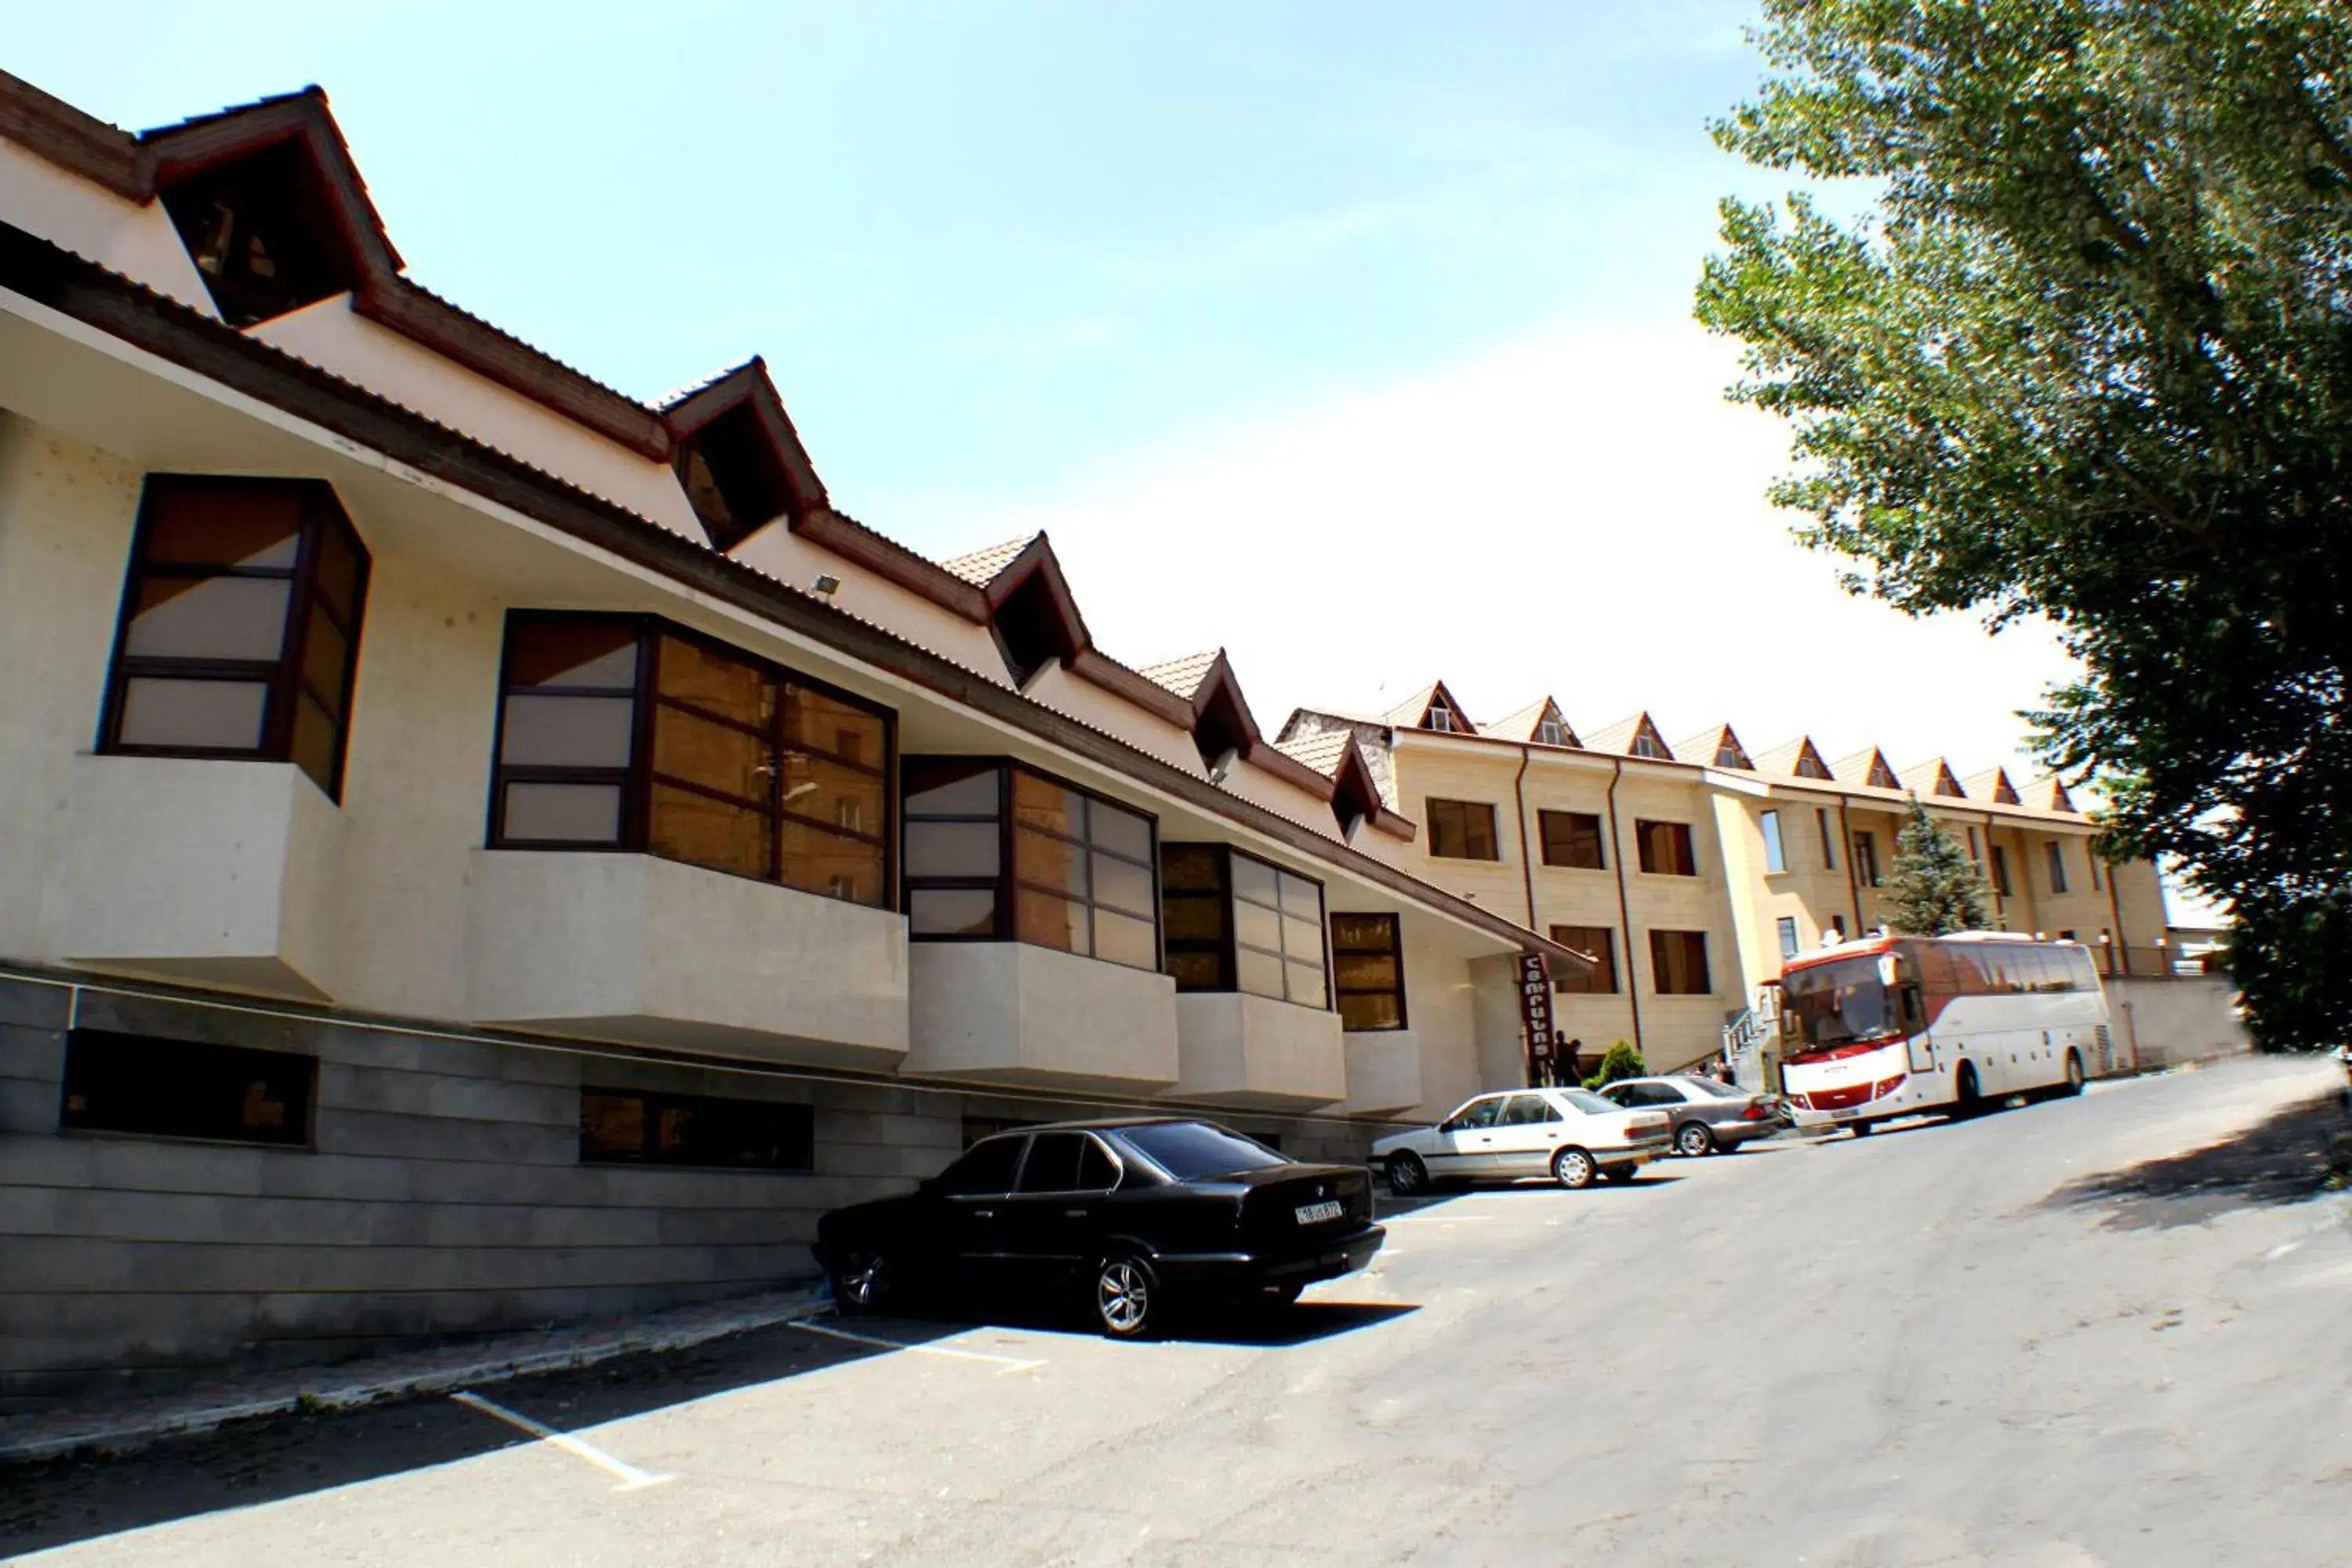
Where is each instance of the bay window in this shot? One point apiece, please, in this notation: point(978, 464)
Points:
point(240, 626)
point(1235, 923)
point(625, 733)
point(998, 852)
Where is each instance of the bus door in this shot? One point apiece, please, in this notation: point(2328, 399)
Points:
point(1911, 1013)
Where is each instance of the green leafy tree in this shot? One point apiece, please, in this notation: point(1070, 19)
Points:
point(1620, 1061)
point(1933, 888)
point(2086, 352)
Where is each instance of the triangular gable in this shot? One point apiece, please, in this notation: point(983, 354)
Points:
point(1634, 737)
point(1868, 768)
point(1222, 725)
point(1946, 784)
point(1540, 722)
point(1808, 763)
point(2058, 799)
point(737, 456)
point(1031, 614)
point(1432, 708)
point(1880, 775)
point(1994, 784)
point(1718, 746)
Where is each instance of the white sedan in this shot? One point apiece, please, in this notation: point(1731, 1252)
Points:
point(1569, 1134)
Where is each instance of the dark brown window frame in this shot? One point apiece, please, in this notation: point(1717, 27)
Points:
point(637, 779)
point(282, 675)
point(800, 1118)
point(1657, 968)
point(1680, 834)
point(1007, 883)
point(1569, 836)
point(1227, 944)
point(1868, 872)
point(1604, 967)
point(1395, 950)
point(1434, 806)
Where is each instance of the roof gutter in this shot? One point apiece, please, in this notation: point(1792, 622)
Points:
point(56, 279)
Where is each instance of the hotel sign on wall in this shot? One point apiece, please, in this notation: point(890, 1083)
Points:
point(1535, 1004)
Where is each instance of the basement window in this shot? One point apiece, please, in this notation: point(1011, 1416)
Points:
point(182, 1089)
point(631, 1127)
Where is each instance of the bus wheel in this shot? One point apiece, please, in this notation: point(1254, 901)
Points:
point(1860, 1129)
point(1964, 1091)
point(2074, 1073)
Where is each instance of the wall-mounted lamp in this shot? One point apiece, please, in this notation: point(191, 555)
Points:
point(827, 583)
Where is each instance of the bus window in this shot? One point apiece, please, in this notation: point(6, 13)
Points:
point(1837, 1004)
point(1970, 974)
point(1935, 969)
point(2081, 975)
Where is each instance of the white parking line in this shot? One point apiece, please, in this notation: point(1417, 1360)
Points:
point(631, 1479)
point(1010, 1364)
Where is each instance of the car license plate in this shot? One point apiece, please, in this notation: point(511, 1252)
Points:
point(1316, 1214)
point(1844, 1115)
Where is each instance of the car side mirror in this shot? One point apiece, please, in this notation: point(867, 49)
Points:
point(1447, 1126)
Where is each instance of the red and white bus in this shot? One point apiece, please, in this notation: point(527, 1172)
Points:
point(1900, 1025)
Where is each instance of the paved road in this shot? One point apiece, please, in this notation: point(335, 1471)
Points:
point(2044, 1337)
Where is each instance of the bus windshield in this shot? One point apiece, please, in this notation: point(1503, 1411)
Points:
point(1838, 1002)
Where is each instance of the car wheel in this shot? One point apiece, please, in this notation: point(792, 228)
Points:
point(1127, 1297)
point(1574, 1169)
point(1693, 1139)
point(863, 1282)
point(1408, 1177)
point(1965, 1100)
point(2073, 1074)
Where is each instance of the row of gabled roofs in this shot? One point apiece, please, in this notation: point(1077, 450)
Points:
point(282, 170)
point(1798, 762)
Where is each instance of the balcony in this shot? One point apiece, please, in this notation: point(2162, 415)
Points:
point(1006, 1012)
point(213, 873)
point(638, 949)
point(1243, 1050)
point(1383, 1072)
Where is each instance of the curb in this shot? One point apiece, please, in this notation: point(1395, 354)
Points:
point(62, 1434)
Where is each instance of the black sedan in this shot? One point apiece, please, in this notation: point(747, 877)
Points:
point(1129, 1212)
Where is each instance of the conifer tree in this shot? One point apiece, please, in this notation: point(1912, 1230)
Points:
point(1932, 887)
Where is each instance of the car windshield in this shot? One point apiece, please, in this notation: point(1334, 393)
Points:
point(1190, 1149)
point(1837, 1004)
point(1590, 1103)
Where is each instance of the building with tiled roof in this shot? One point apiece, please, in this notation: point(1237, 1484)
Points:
point(460, 765)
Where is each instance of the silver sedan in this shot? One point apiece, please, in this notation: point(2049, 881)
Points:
point(1708, 1116)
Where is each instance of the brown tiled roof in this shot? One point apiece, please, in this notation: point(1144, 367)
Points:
point(980, 566)
point(1183, 675)
point(1321, 751)
point(1408, 713)
point(1523, 724)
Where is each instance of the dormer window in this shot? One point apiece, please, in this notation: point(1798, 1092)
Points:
point(1031, 631)
point(732, 476)
point(261, 232)
point(1441, 719)
point(1648, 742)
point(1881, 775)
point(1809, 765)
point(1551, 733)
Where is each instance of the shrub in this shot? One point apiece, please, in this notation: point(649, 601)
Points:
point(1622, 1061)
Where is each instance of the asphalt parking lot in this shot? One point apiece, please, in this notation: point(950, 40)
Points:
point(2058, 1335)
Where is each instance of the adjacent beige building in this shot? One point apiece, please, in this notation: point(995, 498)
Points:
point(1688, 868)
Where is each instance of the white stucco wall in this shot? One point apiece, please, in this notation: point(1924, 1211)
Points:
point(1383, 1071)
point(223, 873)
point(1238, 1049)
point(94, 223)
point(2160, 1022)
point(792, 560)
point(330, 336)
point(1011, 1013)
point(640, 948)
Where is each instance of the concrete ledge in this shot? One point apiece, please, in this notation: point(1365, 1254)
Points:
point(116, 1428)
point(1244, 1050)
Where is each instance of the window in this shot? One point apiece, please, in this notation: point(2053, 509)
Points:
point(984, 1171)
point(1066, 1162)
point(1462, 830)
point(1648, 742)
point(240, 626)
point(1865, 857)
point(1368, 971)
point(1809, 765)
point(1601, 943)
point(1788, 940)
point(1526, 1110)
point(1666, 848)
point(1551, 733)
point(1190, 1150)
point(1441, 718)
point(2090, 858)
point(262, 232)
point(1572, 838)
point(1080, 868)
point(2055, 853)
point(732, 476)
point(1837, 927)
point(179, 1089)
point(1678, 964)
point(1976, 850)
point(1478, 1113)
point(624, 732)
point(2000, 871)
point(1235, 923)
point(1829, 839)
point(630, 1127)
point(1775, 857)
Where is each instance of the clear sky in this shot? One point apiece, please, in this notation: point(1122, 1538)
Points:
point(1353, 336)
